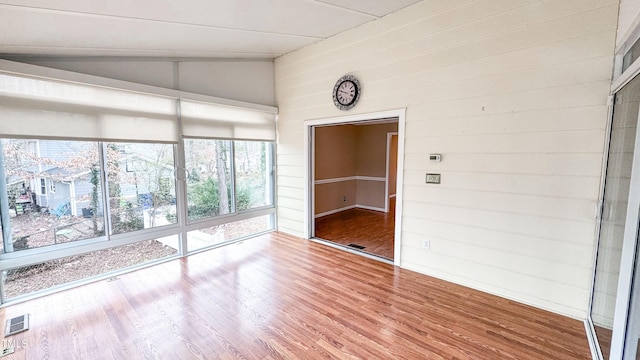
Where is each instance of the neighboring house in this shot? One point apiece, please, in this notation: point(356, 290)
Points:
point(59, 187)
point(67, 190)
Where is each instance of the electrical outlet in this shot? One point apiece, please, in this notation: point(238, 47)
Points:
point(426, 244)
point(7, 351)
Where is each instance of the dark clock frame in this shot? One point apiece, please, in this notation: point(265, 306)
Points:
point(356, 83)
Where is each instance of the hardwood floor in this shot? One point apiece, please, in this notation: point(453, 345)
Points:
point(372, 229)
point(282, 297)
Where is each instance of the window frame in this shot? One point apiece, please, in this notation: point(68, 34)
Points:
point(51, 252)
point(263, 116)
point(270, 165)
point(233, 214)
point(22, 258)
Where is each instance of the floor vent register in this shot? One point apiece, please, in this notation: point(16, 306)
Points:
point(356, 246)
point(16, 325)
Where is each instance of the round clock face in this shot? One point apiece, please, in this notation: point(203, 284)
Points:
point(346, 92)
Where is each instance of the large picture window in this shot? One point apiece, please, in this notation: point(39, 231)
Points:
point(224, 178)
point(141, 189)
point(90, 172)
point(41, 218)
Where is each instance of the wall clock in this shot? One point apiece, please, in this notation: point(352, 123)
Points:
point(346, 92)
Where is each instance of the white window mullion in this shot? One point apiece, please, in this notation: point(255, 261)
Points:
point(181, 195)
point(104, 179)
point(232, 166)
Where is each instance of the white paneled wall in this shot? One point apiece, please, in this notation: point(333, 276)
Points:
point(513, 93)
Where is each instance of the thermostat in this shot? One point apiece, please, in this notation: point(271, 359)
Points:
point(435, 157)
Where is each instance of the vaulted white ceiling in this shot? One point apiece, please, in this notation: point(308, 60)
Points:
point(178, 28)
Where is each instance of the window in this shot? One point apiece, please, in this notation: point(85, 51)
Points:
point(69, 198)
point(631, 55)
point(253, 174)
point(228, 178)
point(219, 234)
point(142, 187)
point(100, 189)
point(28, 279)
point(70, 211)
point(218, 186)
point(209, 182)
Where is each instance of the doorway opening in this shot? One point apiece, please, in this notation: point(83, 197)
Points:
point(354, 182)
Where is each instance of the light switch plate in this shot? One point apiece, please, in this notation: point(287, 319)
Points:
point(432, 179)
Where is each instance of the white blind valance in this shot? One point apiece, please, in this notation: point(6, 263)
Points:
point(200, 119)
point(33, 107)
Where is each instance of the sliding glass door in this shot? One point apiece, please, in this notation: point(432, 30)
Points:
point(614, 212)
point(615, 312)
point(626, 326)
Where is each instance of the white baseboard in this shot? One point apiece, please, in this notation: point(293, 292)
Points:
point(335, 211)
point(370, 208)
point(349, 178)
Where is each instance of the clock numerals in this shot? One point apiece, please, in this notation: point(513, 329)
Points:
point(346, 92)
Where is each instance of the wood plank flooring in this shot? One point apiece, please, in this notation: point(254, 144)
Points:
point(604, 339)
point(282, 297)
point(372, 229)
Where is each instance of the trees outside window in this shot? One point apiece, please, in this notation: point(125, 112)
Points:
point(139, 197)
point(227, 176)
point(39, 217)
point(84, 192)
point(253, 174)
point(209, 180)
point(142, 188)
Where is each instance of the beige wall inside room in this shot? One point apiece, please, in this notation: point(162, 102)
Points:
point(372, 149)
point(372, 163)
point(335, 196)
point(335, 152)
point(513, 94)
point(370, 194)
point(335, 158)
point(353, 159)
